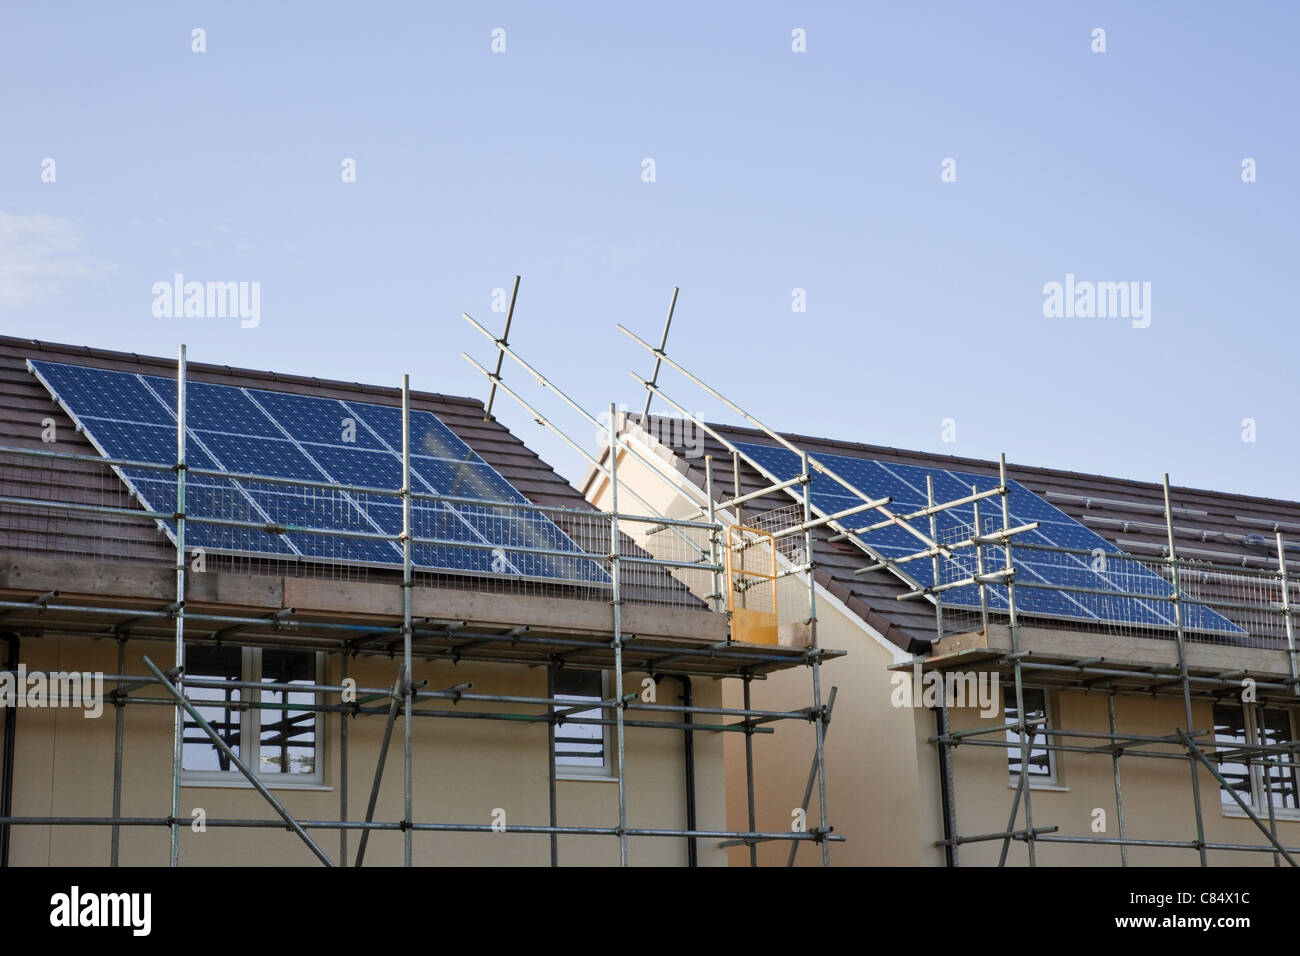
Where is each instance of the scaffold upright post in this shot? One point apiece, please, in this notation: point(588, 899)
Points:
point(819, 714)
point(501, 355)
point(1288, 613)
point(749, 774)
point(1013, 626)
point(979, 566)
point(344, 719)
point(663, 344)
point(615, 548)
point(934, 559)
point(552, 802)
point(178, 727)
point(1119, 789)
point(715, 590)
point(1177, 599)
point(408, 675)
point(119, 731)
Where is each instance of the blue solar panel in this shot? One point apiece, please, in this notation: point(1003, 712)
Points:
point(253, 431)
point(1105, 569)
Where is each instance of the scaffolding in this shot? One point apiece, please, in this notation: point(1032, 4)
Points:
point(607, 542)
point(696, 552)
point(1261, 601)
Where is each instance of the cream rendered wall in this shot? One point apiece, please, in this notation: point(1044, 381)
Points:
point(463, 770)
point(1157, 793)
point(872, 771)
point(876, 774)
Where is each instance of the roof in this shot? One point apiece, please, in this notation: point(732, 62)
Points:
point(24, 403)
point(1209, 525)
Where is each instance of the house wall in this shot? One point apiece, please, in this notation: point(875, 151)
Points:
point(464, 769)
point(1157, 792)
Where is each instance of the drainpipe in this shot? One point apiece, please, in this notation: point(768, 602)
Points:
point(7, 767)
point(688, 700)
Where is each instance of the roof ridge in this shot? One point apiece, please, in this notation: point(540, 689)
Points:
point(1038, 470)
point(213, 369)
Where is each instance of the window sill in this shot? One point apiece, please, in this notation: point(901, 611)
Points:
point(1049, 787)
point(1282, 816)
point(589, 778)
point(243, 784)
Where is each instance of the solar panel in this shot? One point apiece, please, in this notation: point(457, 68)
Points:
point(1104, 572)
point(282, 435)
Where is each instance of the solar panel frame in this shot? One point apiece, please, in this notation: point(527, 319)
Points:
point(254, 439)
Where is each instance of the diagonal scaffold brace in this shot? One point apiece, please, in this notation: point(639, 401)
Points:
point(230, 755)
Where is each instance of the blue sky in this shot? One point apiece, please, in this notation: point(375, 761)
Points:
point(774, 170)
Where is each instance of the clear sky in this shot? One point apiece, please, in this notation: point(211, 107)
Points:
point(774, 170)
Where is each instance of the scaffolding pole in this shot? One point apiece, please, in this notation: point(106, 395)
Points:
point(1176, 597)
point(1288, 613)
point(1116, 751)
point(663, 344)
point(552, 804)
point(407, 675)
point(615, 550)
point(178, 731)
point(1013, 625)
point(344, 719)
point(505, 340)
point(119, 730)
point(749, 775)
point(819, 712)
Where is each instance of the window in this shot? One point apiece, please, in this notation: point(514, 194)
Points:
point(581, 749)
point(1238, 725)
point(279, 743)
point(1042, 762)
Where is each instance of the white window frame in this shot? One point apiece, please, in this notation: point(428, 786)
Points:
point(1052, 780)
point(1258, 788)
point(250, 720)
point(607, 770)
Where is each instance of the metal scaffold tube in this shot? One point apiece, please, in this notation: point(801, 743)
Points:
point(1288, 614)
point(615, 549)
point(119, 730)
point(408, 814)
point(819, 714)
point(1013, 624)
point(749, 774)
point(1176, 597)
point(345, 718)
point(1119, 790)
point(178, 730)
point(552, 796)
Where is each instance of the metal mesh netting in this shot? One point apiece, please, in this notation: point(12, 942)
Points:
point(317, 531)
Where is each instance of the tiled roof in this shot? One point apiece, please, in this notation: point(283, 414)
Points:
point(24, 403)
point(1130, 514)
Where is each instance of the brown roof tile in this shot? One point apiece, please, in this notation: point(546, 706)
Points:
point(1120, 510)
